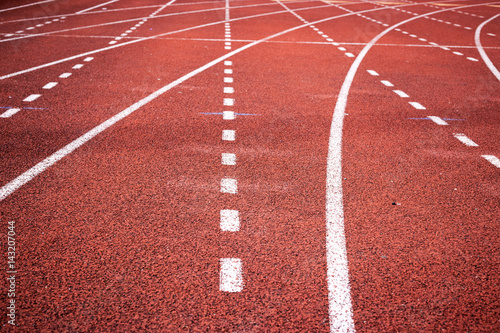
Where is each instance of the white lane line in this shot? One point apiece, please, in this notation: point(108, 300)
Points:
point(229, 185)
point(10, 112)
point(78, 66)
point(228, 101)
point(50, 85)
point(492, 159)
point(438, 120)
point(484, 56)
point(229, 220)
point(228, 115)
point(228, 90)
point(228, 80)
point(401, 93)
point(387, 83)
point(65, 75)
point(228, 159)
point(31, 4)
point(372, 72)
point(465, 140)
point(102, 4)
point(31, 98)
point(417, 105)
point(231, 276)
point(228, 135)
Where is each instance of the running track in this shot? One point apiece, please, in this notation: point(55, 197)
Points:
point(250, 166)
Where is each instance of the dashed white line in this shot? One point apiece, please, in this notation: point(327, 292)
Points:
point(472, 59)
point(387, 83)
point(228, 80)
point(88, 59)
point(228, 101)
point(228, 71)
point(31, 98)
point(229, 220)
point(231, 277)
point(228, 159)
point(10, 112)
point(401, 93)
point(50, 85)
point(492, 159)
point(417, 105)
point(350, 55)
point(228, 135)
point(228, 90)
point(438, 120)
point(458, 53)
point(372, 72)
point(228, 63)
point(228, 115)
point(465, 140)
point(229, 185)
point(65, 75)
point(78, 66)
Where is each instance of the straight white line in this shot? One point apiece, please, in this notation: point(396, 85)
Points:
point(465, 140)
point(31, 98)
point(10, 112)
point(50, 85)
point(28, 5)
point(417, 105)
point(231, 277)
point(229, 185)
point(492, 159)
point(484, 56)
point(228, 135)
point(65, 75)
point(438, 120)
point(401, 93)
point(88, 9)
point(229, 220)
point(228, 159)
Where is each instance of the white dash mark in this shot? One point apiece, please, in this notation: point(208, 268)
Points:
point(228, 80)
point(10, 112)
point(228, 71)
point(329, 39)
point(229, 220)
point(490, 34)
point(228, 63)
point(228, 135)
point(50, 85)
point(342, 49)
point(227, 43)
point(113, 42)
point(472, 59)
point(492, 159)
point(88, 59)
point(228, 115)
point(445, 48)
point(413, 36)
point(231, 279)
point(417, 105)
point(372, 72)
point(227, 47)
point(458, 53)
point(65, 75)
point(78, 66)
point(422, 39)
point(438, 120)
point(228, 159)
point(350, 55)
point(30, 28)
point(468, 28)
point(228, 90)
point(435, 44)
point(401, 93)
point(229, 185)
point(39, 25)
point(465, 140)
point(9, 35)
point(387, 83)
point(128, 31)
point(228, 101)
point(31, 98)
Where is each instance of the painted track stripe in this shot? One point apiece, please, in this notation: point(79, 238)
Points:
point(50, 85)
point(417, 105)
point(229, 220)
point(10, 112)
point(465, 140)
point(438, 120)
point(228, 115)
point(401, 93)
point(229, 185)
point(484, 56)
point(228, 135)
point(31, 98)
point(102, 4)
point(231, 277)
point(228, 159)
point(65, 75)
point(372, 72)
point(28, 5)
point(492, 159)
point(387, 83)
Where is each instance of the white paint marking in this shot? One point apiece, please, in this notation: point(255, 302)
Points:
point(413, 36)
point(128, 31)
point(372, 72)
point(229, 185)
point(65, 75)
point(228, 80)
point(39, 25)
point(329, 39)
point(465, 140)
point(350, 55)
point(227, 43)
point(228, 71)
point(417, 105)
point(228, 115)
point(78, 66)
point(484, 56)
point(229, 220)
point(342, 49)
point(228, 159)
point(445, 48)
point(438, 120)
point(422, 39)
point(228, 101)
point(490, 34)
point(228, 63)
point(31, 4)
point(88, 59)
point(19, 32)
point(472, 59)
point(228, 90)
point(227, 47)
point(9, 35)
point(228, 135)
point(31, 98)
point(30, 28)
point(89, 9)
point(492, 159)
point(231, 276)
point(387, 83)
point(401, 93)
point(10, 112)
point(50, 85)
point(113, 42)
point(468, 28)
point(118, 38)
point(458, 53)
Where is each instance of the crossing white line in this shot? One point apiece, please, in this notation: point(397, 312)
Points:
point(103, 4)
point(23, 6)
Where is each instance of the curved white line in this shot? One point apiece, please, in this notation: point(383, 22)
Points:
point(484, 56)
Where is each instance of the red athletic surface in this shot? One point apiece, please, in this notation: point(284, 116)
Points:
point(123, 235)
